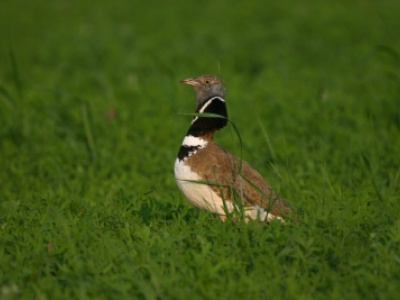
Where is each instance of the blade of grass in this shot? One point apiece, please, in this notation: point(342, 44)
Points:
point(88, 133)
point(15, 73)
point(373, 180)
point(271, 149)
point(7, 99)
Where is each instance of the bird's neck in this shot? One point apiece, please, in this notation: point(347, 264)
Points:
point(204, 125)
point(202, 128)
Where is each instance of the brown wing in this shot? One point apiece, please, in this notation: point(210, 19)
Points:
point(221, 168)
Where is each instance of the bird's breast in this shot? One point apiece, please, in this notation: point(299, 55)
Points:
point(197, 191)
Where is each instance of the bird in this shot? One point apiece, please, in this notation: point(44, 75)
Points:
point(211, 177)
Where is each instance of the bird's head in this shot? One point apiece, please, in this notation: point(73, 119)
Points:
point(206, 87)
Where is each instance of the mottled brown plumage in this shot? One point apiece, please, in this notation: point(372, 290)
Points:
point(216, 165)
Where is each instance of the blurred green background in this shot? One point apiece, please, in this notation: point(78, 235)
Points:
point(90, 114)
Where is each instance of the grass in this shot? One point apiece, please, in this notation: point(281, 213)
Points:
point(90, 108)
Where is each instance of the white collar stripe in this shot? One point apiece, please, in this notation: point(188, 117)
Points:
point(194, 141)
point(205, 105)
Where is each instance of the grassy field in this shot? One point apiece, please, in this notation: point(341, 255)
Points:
point(90, 114)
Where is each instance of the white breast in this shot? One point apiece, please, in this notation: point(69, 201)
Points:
point(198, 193)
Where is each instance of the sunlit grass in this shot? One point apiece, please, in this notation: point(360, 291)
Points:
point(90, 106)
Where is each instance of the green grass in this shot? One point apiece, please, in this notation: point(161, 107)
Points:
point(90, 108)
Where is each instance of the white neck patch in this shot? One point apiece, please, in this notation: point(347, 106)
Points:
point(194, 141)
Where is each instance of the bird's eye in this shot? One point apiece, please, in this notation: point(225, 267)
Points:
point(207, 82)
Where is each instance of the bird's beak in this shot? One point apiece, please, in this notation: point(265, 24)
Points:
point(190, 81)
